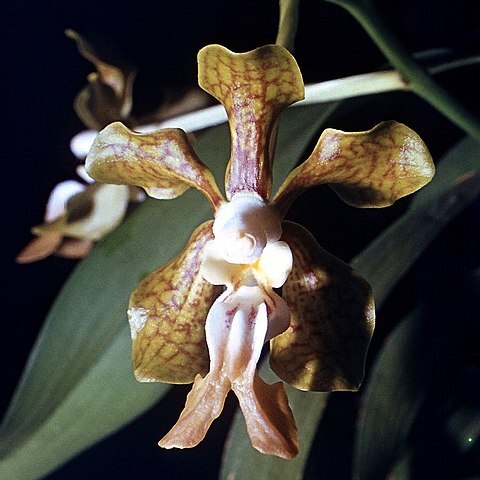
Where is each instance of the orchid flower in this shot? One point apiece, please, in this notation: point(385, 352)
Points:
point(205, 316)
point(79, 213)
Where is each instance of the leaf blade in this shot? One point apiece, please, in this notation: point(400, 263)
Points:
point(433, 207)
point(455, 185)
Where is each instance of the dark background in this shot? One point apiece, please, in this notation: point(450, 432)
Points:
point(42, 72)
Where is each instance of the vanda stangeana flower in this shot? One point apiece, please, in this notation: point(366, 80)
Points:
point(320, 328)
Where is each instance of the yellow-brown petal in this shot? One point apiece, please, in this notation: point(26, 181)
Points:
point(163, 162)
point(253, 87)
point(167, 315)
point(366, 169)
point(270, 422)
point(75, 248)
point(108, 95)
point(332, 319)
point(40, 247)
point(204, 404)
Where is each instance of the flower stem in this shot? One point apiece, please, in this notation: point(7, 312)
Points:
point(420, 82)
point(328, 91)
point(287, 24)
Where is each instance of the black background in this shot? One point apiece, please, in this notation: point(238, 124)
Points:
point(43, 72)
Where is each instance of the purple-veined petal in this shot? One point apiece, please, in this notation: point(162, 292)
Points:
point(163, 163)
point(366, 169)
point(167, 315)
point(332, 319)
point(253, 87)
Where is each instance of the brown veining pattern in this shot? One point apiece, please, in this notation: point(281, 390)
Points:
point(332, 319)
point(366, 169)
point(253, 87)
point(163, 162)
point(171, 346)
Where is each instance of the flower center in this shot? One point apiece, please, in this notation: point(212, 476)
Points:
point(247, 249)
point(243, 227)
point(237, 247)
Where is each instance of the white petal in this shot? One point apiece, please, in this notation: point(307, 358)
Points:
point(81, 143)
point(239, 323)
point(278, 316)
point(233, 331)
point(61, 194)
point(82, 173)
point(246, 341)
point(109, 207)
point(275, 264)
point(216, 270)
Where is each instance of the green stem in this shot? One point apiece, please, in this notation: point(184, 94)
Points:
point(287, 24)
point(421, 83)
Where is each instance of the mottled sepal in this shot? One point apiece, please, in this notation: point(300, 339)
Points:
point(108, 95)
point(167, 315)
point(366, 169)
point(253, 87)
point(163, 162)
point(332, 319)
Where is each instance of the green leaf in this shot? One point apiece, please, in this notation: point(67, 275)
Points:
point(88, 413)
point(393, 382)
point(381, 440)
point(78, 387)
point(391, 405)
point(384, 262)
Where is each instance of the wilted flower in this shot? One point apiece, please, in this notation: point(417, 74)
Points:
point(320, 327)
point(80, 213)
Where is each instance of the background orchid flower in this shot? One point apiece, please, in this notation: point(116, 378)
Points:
point(80, 213)
point(205, 316)
point(108, 94)
point(77, 215)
